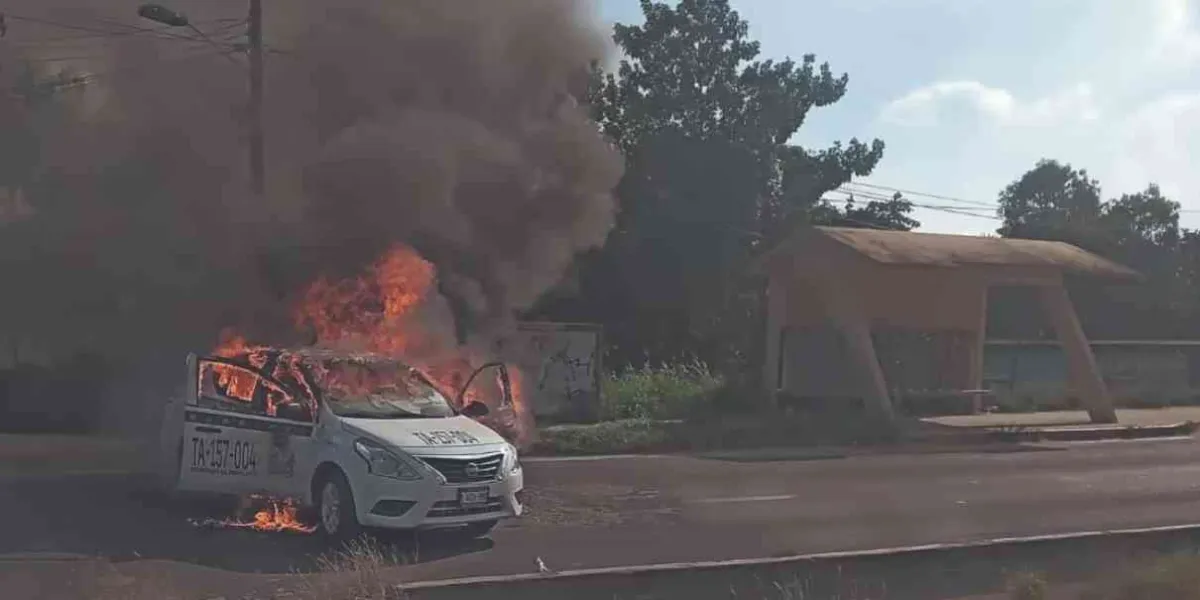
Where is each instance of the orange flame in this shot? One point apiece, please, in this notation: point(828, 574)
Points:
point(379, 313)
point(371, 312)
point(277, 515)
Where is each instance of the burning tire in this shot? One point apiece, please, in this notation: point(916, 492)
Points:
point(337, 517)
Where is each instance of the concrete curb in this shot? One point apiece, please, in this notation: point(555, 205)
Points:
point(799, 558)
point(1104, 432)
point(928, 570)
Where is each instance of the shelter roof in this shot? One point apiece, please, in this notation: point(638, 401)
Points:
point(947, 250)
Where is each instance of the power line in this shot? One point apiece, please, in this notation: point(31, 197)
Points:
point(86, 78)
point(991, 205)
point(935, 207)
point(105, 33)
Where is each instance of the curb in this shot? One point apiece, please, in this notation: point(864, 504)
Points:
point(1107, 432)
point(798, 558)
point(945, 570)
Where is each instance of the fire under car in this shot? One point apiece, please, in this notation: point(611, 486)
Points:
point(358, 441)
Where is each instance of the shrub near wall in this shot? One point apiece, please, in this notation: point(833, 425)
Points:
point(663, 392)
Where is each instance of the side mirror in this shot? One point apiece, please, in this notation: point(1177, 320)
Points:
point(475, 410)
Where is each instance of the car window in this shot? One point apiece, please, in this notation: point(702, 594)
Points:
point(231, 388)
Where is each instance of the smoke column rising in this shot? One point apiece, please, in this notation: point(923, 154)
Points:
point(448, 126)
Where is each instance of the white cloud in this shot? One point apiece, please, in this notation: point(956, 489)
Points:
point(1159, 142)
point(926, 106)
point(1173, 35)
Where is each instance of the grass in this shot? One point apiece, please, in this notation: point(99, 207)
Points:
point(1172, 578)
point(687, 407)
point(355, 572)
point(667, 391)
point(721, 432)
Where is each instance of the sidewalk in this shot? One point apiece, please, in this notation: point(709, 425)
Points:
point(1126, 417)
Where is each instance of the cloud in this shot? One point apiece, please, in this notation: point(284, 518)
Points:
point(1159, 142)
point(1174, 38)
point(927, 106)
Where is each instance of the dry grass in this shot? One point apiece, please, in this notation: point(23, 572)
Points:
point(1027, 586)
point(356, 572)
point(1172, 578)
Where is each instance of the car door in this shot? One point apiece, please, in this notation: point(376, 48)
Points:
point(227, 433)
point(502, 415)
point(291, 421)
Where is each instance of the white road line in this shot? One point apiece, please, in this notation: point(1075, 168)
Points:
point(1115, 442)
point(553, 459)
point(742, 499)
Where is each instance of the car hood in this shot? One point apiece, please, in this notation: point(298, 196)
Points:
point(449, 435)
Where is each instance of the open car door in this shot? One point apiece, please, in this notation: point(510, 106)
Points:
point(501, 414)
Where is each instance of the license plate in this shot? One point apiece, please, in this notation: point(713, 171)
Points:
point(473, 497)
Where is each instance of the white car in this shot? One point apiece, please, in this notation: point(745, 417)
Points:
point(382, 449)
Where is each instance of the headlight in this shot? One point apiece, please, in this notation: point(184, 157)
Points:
point(510, 464)
point(384, 463)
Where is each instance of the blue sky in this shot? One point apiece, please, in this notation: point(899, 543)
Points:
point(969, 94)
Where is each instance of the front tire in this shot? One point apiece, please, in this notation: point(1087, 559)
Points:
point(337, 516)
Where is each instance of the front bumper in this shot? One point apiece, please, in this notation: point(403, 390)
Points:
point(390, 504)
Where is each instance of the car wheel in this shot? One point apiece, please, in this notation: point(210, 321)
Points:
point(337, 517)
point(479, 529)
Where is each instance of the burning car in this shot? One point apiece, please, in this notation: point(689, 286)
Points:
point(366, 441)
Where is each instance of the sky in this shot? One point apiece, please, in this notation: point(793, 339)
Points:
point(970, 94)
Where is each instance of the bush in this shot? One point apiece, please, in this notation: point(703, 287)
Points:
point(672, 391)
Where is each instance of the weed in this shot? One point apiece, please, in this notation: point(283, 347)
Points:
point(668, 391)
point(1027, 586)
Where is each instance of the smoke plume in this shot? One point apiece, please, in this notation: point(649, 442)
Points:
point(126, 227)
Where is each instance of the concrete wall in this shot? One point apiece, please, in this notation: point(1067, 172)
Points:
point(1023, 374)
point(560, 367)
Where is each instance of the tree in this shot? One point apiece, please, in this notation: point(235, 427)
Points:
point(711, 178)
point(1051, 201)
point(1057, 202)
point(893, 214)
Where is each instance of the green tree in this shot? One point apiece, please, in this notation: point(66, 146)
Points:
point(711, 178)
point(894, 214)
point(1051, 201)
point(1057, 202)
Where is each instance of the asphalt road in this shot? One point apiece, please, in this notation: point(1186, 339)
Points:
point(625, 511)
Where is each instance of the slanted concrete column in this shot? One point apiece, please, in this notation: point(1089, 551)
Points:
point(843, 306)
point(1083, 376)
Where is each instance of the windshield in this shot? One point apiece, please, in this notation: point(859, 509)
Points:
point(380, 391)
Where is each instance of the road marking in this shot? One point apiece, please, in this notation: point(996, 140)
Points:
point(1065, 444)
point(553, 459)
point(743, 499)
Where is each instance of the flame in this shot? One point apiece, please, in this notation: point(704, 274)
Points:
point(234, 345)
point(372, 312)
point(275, 515)
point(380, 313)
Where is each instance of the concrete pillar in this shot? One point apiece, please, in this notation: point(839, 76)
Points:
point(843, 306)
point(1083, 375)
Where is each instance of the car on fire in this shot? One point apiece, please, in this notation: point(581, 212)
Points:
point(360, 441)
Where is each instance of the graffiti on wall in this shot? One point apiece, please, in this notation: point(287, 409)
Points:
point(560, 367)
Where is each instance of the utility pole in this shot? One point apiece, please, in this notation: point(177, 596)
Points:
point(161, 14)
point(257, 150)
